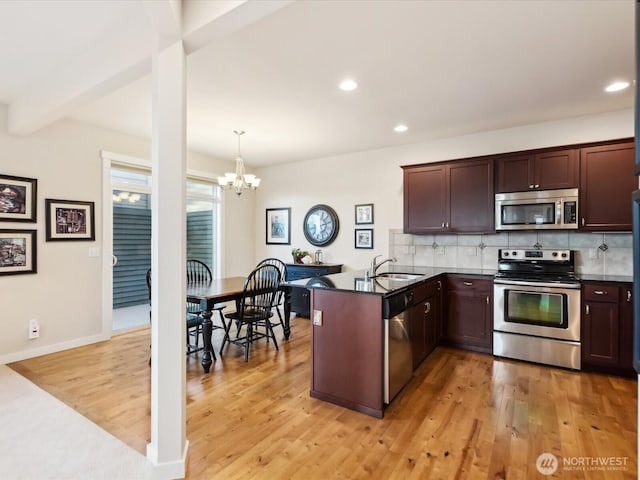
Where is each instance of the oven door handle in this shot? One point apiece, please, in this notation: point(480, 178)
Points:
point(536, 284)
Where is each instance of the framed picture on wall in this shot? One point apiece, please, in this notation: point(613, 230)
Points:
point(278, 231)
point(364, 238)
point(17, 199)
point(18, 252)
point(69, 220)
point(364, 214)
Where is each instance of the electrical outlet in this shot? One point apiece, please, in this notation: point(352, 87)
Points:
point(34, 329)
point(317, 318)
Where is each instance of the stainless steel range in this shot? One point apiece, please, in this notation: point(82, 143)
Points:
point(537, 307)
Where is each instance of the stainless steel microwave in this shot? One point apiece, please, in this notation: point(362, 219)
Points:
point(537, 210)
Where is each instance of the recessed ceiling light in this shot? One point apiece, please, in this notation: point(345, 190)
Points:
point(616, 86)
point(348, 85)
point(400, 128)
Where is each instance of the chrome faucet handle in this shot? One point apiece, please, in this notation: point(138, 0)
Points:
point(372, 270)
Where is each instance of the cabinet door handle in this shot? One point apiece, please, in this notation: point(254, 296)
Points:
point(439, 283)
point(447, 224)
point(582, 221)
point(628, 295)
point(487, 299)
point(537, 186)
point(586, 309)
point(442, 225)
point(427, 307)
point(531, 186)
point(599, 292)
point(468, 284)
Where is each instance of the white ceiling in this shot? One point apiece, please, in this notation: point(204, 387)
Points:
point(444, 68)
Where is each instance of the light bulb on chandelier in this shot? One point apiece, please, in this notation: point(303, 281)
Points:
point(239, 180)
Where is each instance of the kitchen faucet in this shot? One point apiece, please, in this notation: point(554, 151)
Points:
point(375, 266)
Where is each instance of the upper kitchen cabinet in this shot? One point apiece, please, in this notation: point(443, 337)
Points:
point(449, 197)
point(606, 182)
point(547, 170)
point(425, 198)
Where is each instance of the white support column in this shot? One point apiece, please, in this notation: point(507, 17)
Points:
point(168, 447)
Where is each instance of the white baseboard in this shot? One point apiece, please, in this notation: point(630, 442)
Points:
point(167, 470)
point(56, 347)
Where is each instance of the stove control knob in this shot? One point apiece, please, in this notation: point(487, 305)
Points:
point(564, 255)
point(555, 254)
point(515, 254)
point(505, 254)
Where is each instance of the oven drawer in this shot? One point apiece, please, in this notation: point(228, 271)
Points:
point(601, 293)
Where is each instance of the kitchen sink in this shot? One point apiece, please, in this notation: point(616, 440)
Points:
point(399, 276)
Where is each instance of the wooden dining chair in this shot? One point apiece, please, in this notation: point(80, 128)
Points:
point(279, 298)
point(255, 305)
point(197, 272)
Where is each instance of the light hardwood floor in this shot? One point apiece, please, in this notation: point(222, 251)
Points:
point(464, 415)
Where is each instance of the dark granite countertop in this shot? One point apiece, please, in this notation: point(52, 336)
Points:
point(605, 278)
point(355, 281)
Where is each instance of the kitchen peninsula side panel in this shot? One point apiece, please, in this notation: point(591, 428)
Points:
point(347, 350)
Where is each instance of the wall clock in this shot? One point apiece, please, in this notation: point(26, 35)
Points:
point(321, 225)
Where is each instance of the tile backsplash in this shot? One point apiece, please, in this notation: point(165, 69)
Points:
point(596, 253)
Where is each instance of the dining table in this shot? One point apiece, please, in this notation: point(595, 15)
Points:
point(220, 290)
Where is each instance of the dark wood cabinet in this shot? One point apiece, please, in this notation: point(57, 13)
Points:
point(424, 320)
point(300, 296)
point(606, 182)
point(469, 312)
point(537, 170)
point(607, 327)
point(449, 197)
point(425, 198)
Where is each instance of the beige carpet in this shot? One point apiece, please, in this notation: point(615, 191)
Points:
point(41, 438)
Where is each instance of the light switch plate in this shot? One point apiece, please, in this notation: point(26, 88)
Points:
point(317, 317)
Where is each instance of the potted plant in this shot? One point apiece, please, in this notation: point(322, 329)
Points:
point(298, 255)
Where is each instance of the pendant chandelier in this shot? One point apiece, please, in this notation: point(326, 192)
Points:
point(239, 180)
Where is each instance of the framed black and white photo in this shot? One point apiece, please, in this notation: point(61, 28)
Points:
point(364, 214)
point(364, 238)
point(278, 230)
point(69, 220)
point(18, 199)
point(18, 252)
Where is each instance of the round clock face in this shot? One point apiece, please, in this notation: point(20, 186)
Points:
point(321, 225)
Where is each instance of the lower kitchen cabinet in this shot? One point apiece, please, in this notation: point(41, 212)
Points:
point(300, 297)
point(425, 320)
point(469, 312)
point(607, 327)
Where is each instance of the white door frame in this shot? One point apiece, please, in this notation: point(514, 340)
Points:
point(109, 159)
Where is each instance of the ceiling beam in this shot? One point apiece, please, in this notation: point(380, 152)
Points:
point(203, 21)
point(116, 61)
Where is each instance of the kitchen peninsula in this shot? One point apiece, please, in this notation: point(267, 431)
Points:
point(360, 324)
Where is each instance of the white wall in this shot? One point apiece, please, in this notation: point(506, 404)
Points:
point(375, 177)
point(65, 295)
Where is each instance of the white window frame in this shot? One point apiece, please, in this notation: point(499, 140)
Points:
point(114, 160)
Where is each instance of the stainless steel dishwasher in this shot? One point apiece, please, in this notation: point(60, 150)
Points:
point(398, 362)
